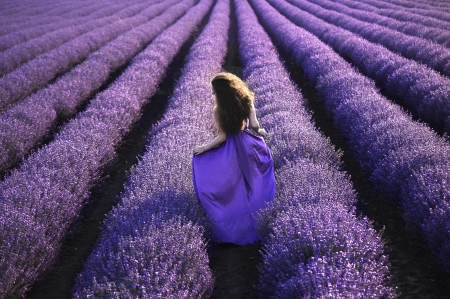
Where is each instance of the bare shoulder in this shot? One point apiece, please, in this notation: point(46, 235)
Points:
point(252, 118)
point(252, 111)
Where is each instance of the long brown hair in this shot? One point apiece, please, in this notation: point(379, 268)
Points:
point(233, 102)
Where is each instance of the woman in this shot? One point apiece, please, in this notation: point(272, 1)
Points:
point(233, 174)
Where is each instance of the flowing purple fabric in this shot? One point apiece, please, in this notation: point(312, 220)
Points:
point(233, 181)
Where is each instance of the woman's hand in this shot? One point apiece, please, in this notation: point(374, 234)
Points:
point(199, 150)
point(213, 144)
point(262, 132)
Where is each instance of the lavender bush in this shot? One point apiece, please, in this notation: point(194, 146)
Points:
point(167, 260)
point(435, 13)
point(322, 251)
point(33, 9)
point(421, 50)
point(51, 186)
point(342, 88)
point(311, 218)
point(427, 5)
point(437, 35)
point(26, 123)
point(40, 71)
point(31, 32)
point(306, 182)
point(397, 13)
point(160, 186)
point(22, 11)
point(18, 23)
point(445, 6)
point(422, 90)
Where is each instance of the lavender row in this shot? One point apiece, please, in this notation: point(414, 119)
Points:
point(57, 12)
point(32, 32)
point(40, 11)
point(76, 36)
point(316, 251)
point(37, 73)
point(160, 190)
point(435, 13)
point(433, 55)
point(310, 219)
point(433, 3)
point(49, 9)
point(29, 30)
point(422, 90)
point(20, 23)
point(427, 5)
point(25, 124)
point(16, 26)
point(405, 159)
point(437, 35)
point(24, 8)
point(397, 14)
point(166, 260)
point(41, 198)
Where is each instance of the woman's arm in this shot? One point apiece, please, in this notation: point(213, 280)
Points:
point(215, 142)
point(221, 137)
point(254, 124)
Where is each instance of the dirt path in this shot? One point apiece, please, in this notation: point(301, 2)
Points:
point(235, 270)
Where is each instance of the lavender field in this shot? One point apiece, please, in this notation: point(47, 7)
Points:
point(101, 104)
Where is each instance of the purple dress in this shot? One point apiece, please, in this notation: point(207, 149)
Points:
point(233, 181)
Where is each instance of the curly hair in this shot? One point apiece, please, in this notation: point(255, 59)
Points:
point(233, 102)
